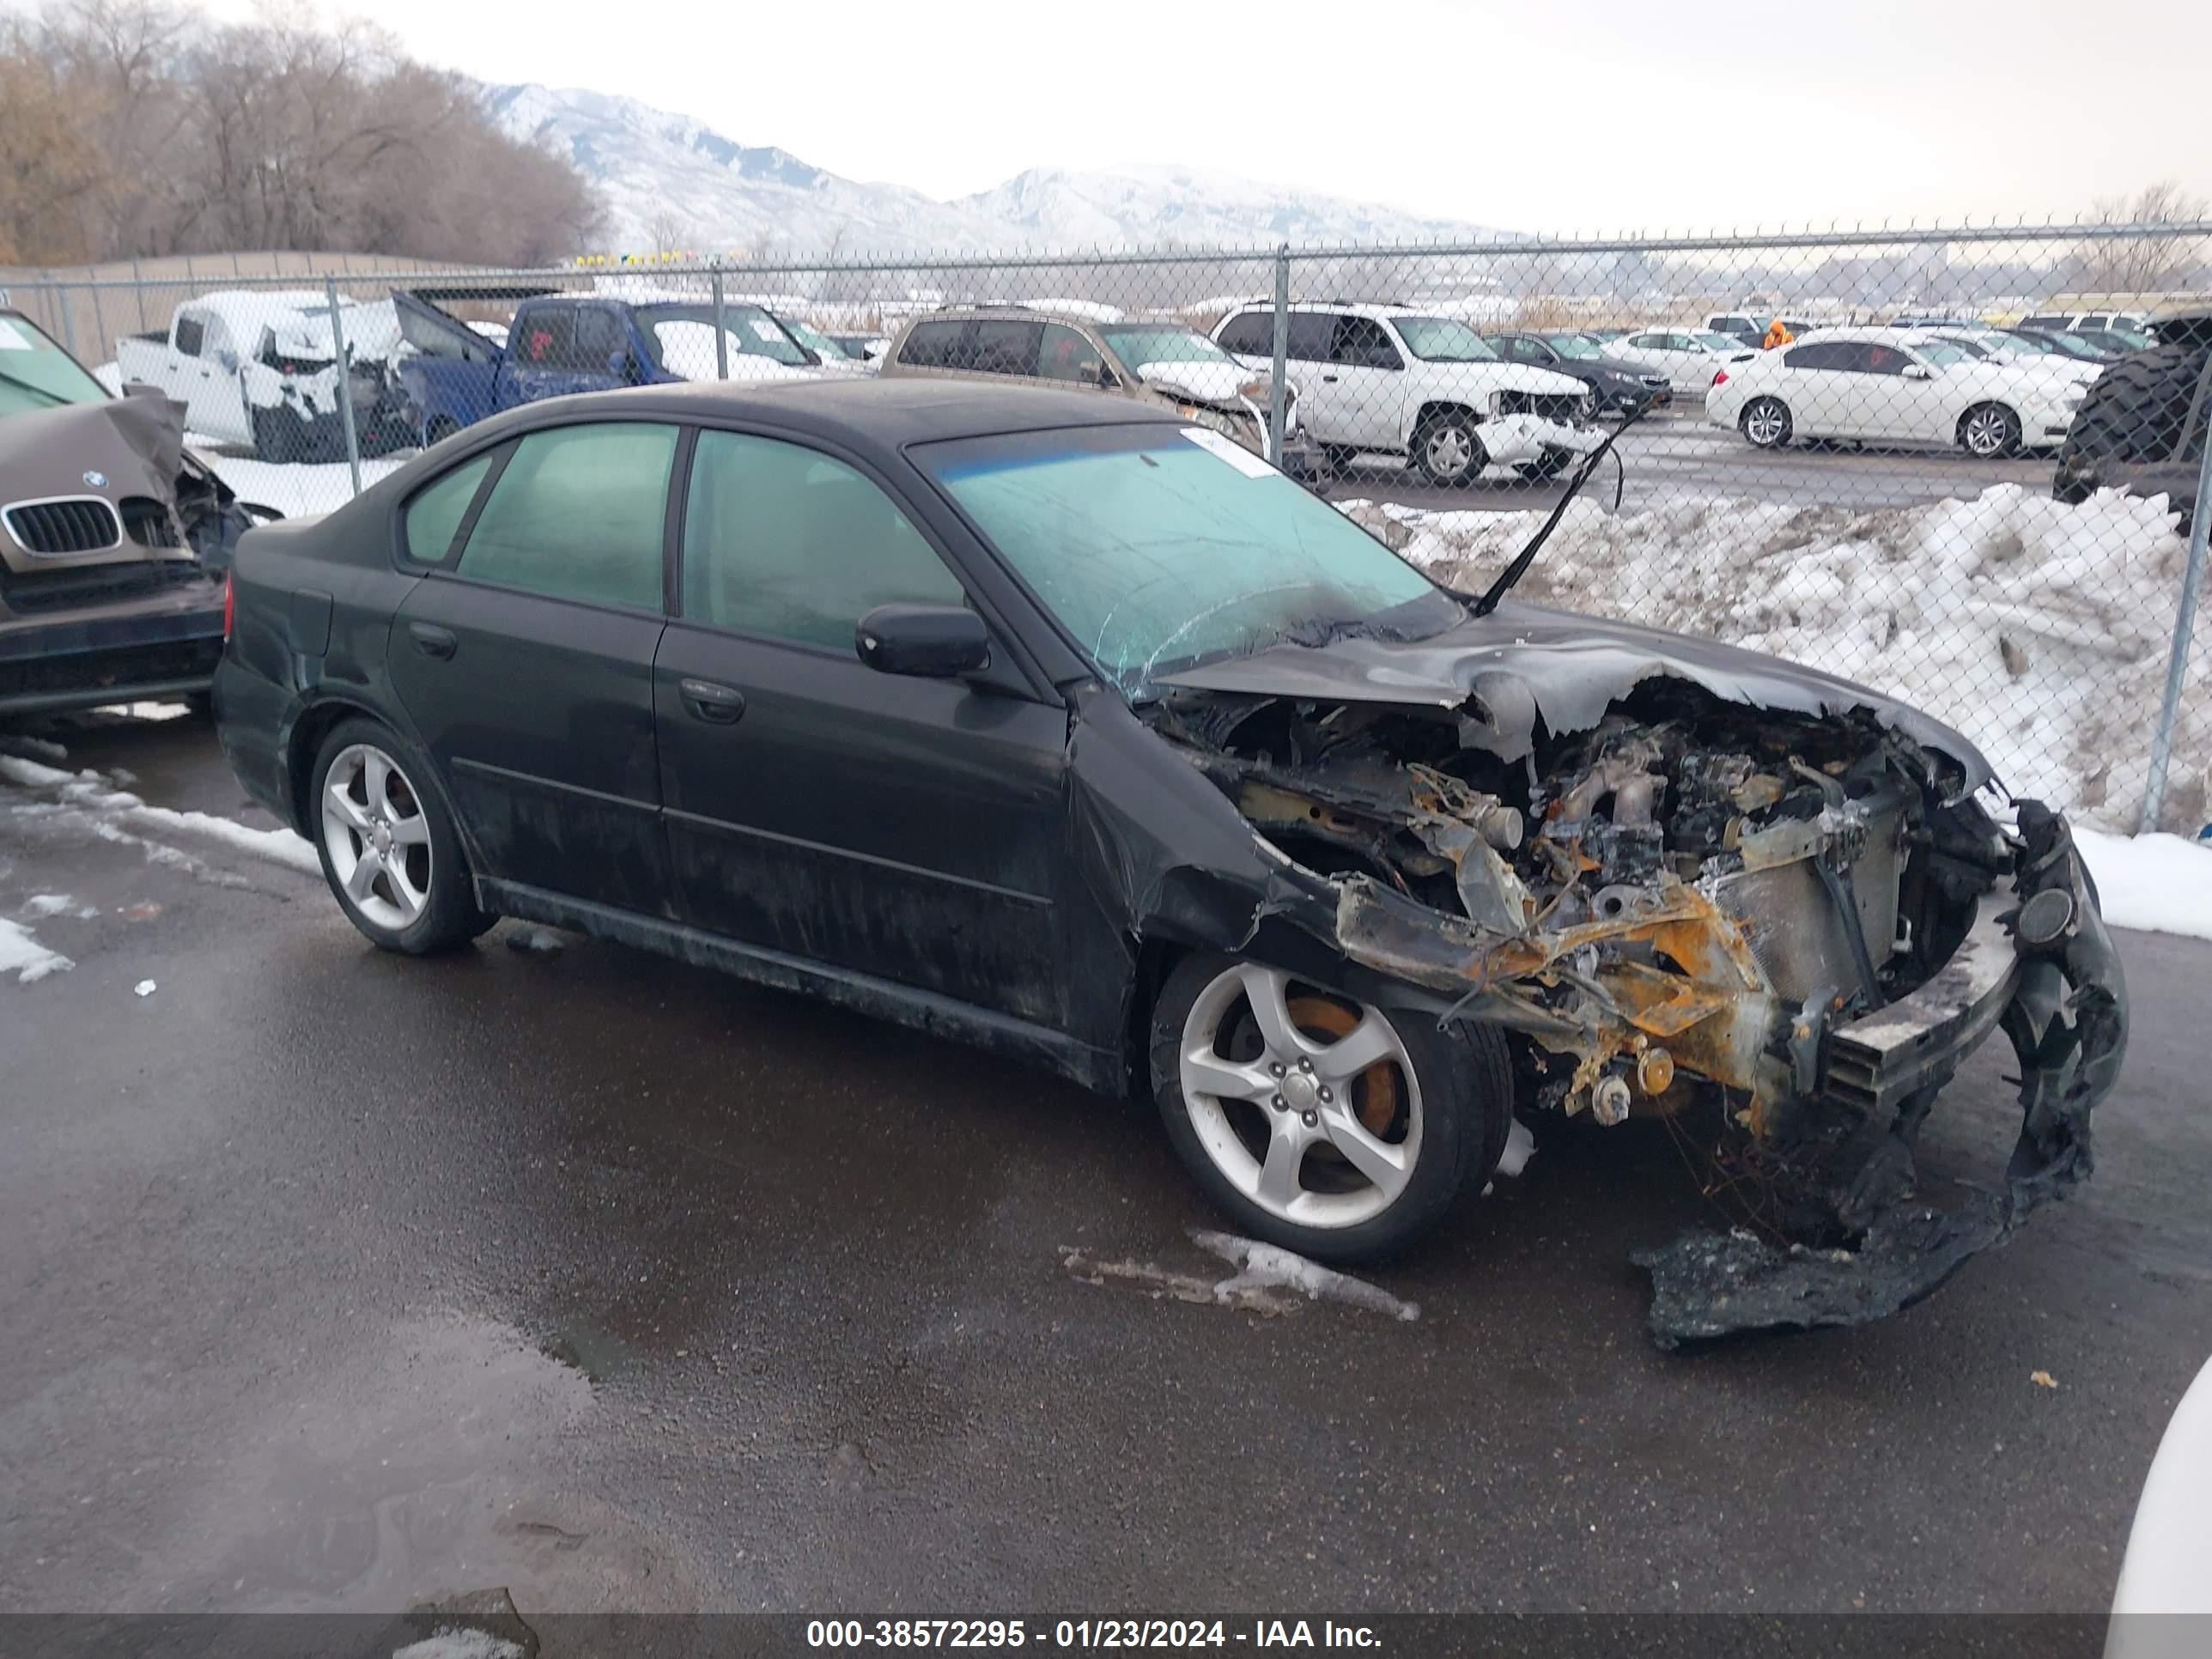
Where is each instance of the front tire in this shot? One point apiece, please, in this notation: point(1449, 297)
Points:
point(1329, 1127)
point(388, 845)
point(1448, 449)
point(1766, 424)
point(1989, 432)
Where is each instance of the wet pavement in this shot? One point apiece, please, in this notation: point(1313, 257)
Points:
point(336, 1280)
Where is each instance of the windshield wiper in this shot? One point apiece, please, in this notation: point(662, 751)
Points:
point(54, 398)
point(1526, 556)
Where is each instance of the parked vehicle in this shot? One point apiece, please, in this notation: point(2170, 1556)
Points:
point(862, 347)
point(2135, 323)
point(1615, 387)
point(2163, 1600)
point(829, 356)
point(2141, 427)
point(112, 537)
point(1749, 327)
point(1060, 724)
point(259, 368)
point(2045, 342)
point(559, 344)
point(1888, 386)
point(1689, 358)
point(1389, 380)
point(1164, 364)
point(1996, 345)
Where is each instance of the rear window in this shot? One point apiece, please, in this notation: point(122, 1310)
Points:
point(931, 345)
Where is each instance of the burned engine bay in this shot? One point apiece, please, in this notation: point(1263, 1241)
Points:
point(1698, 901)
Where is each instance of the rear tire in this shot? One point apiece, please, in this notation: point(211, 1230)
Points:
point(387, 843)
point(278, 435)
point(1338, 459)
point(1355, 1163)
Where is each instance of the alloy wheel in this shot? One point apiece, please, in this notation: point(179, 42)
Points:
point(1308, 1103)
point(377, 836)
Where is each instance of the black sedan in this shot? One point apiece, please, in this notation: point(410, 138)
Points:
point(1622, 388)
point(1052, 723)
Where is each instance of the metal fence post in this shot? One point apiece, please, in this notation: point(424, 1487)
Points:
point(2184, 627)
point(721, 340)
point(345, 384)
point(1281, 370)
point(99, 321)
point(67, 307)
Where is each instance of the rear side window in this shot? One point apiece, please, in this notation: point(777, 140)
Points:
point(190, 332)
point(434, 517)
point(1004, 348)
point(783, 540)
point(599, 336)
point(1825, 354)
point(931, 345)
point(1250, 334)
point(578, 513)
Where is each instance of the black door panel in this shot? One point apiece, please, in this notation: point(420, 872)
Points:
point(905, 828)
point(539, 712)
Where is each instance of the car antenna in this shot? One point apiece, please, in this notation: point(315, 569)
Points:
point(1526, 556)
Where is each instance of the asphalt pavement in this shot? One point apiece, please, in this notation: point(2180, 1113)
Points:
point(336, 1280)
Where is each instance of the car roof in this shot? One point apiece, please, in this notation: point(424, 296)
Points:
point(1017, 314)
point(860, 413)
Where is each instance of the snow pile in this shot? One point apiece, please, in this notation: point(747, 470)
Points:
point(92, 792)
point(24, 957)
point(2038, 629)
point(2160, 883)
point(296, 489)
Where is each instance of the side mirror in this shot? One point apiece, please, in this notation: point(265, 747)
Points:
point(929, 642)
point(1918, 372)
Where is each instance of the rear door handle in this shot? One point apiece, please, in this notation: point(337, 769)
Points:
point(1328, 379)
point(432, 641)
point(718, 705)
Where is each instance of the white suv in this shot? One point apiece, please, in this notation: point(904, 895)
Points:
point(1392, 379)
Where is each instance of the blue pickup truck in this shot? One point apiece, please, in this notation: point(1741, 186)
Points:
point(455, 374)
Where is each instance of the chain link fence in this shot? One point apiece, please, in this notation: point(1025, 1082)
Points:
point(1956, 465)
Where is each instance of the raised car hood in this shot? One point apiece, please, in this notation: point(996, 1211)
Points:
point(135, 446)
point(1203, 383)
point(1524, 661)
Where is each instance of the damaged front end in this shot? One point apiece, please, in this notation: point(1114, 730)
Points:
point(1681, 874)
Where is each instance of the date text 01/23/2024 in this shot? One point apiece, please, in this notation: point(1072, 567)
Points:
point(1086, 1633)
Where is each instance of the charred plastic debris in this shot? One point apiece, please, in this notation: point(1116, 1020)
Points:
point(1673, 897)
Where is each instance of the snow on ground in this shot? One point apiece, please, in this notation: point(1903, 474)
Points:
point(22, 954)
point(95, 793)
point(2161, 884)
point(40, 906)
point(2038, 629)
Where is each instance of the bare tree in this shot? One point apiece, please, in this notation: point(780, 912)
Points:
point(666, 231)
point(271, 134)
point(2154, 261)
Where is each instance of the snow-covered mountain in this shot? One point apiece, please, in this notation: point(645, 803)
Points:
point(671, 180)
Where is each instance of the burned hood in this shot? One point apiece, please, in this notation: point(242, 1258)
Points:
point(1526, 662)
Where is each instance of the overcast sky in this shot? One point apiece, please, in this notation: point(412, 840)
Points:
point(1545, 115)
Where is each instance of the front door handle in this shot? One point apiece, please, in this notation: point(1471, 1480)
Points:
point(433, 641)
point(718, 705)
point(1328, 379)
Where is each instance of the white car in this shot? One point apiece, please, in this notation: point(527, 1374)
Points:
point(1392, 379)
point(2162, 1606)
point(1688, 357)
point(1995, 345)
point(1892, 386)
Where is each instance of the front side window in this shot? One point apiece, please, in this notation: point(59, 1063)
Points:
point(578, 513)
point(1307, 336)
point(681, 338)
point(191, 331)
point(1065, 355)
point(434, 517)
point(1158, 546)
point(999, 347)
point(783, 540)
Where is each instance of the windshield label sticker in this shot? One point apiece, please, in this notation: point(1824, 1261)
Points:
point(11, 337)
point(1230, 451)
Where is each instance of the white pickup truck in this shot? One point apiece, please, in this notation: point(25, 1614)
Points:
point(259, 368)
